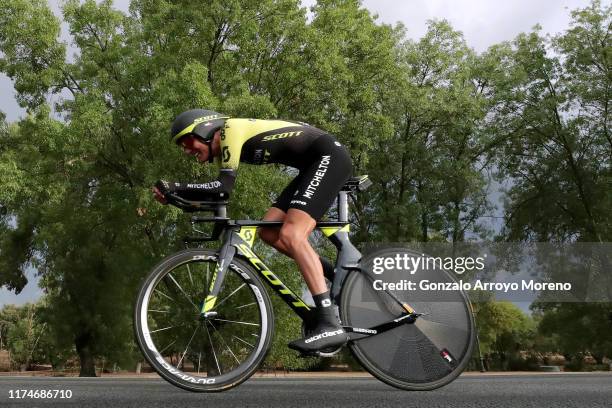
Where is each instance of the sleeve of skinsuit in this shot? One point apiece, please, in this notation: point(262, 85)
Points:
point(232, 139)
point(201, 191)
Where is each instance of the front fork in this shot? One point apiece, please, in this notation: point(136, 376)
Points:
point(226, 255)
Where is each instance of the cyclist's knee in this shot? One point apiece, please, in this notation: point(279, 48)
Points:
point(292, 238)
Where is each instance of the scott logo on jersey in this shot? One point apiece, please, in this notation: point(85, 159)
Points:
point(282, 135)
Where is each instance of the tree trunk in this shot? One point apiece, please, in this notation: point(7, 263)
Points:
point(424, 214)
point(83, 343)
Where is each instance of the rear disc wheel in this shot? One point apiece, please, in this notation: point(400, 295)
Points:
point(425, 355)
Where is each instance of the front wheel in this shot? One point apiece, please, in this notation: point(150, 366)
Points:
point(424, 355)
point(196, 353)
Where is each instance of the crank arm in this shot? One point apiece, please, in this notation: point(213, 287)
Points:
point(406, 318)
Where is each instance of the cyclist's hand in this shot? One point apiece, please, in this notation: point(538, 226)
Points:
point(159, 196)
point(159, 190)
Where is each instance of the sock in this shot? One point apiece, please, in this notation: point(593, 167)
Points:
point(325, 311)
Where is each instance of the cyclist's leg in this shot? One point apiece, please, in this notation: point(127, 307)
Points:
point(293, 238)
point(276, 213)
point(270, 235)
point(319, 185)
point(316, 188)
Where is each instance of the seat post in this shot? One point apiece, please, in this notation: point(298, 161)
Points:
point(342, 206)
point(221, 211)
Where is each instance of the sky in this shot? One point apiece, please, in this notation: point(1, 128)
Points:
point(483, 23)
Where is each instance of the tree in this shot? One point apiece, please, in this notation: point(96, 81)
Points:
point(557, 148)
point(9, 315)
point(22, 333)
point(430, 170)
point(84, 216)
point(425, 119)
point(504, 330)
point(590, 330)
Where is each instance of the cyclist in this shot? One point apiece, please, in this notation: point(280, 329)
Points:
point(324, 166)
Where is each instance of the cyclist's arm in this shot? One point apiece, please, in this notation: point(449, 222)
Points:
point(200, 191)
point(232, 140)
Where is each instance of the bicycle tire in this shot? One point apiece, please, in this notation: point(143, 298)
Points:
point(241, 284)
point(406, 357)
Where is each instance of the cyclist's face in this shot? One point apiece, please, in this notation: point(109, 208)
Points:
point(193, 146)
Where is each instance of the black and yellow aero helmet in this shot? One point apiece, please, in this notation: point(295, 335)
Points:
point(199, 122)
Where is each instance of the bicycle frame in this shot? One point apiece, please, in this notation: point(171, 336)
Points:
point(238, 240)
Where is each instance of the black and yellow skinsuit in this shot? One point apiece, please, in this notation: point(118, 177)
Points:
point(324, 164)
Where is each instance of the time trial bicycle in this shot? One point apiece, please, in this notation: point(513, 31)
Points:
point(204, 320)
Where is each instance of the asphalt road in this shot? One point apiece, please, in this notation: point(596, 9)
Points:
point(541, 391)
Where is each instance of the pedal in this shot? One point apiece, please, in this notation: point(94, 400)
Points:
point(304, 354)
point(324, 354)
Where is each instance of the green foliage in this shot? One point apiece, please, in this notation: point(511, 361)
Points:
point(504, 331)
point(428, 175)
point(577, 328)
point(32, 56)
point(31, 338)
point(9, 316)
point(22, 333)
point(554, 121)
point(502, 327)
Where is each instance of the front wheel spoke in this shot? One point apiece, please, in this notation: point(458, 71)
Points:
point(212, 347)
point(166, 328)
point(243, 341)
point(226, 345)
point(183, 291)
point(228, 296)
point(237, 322)
point(163, 294)
point(189, 272)
point(166, 348)
point(247, 305)
point(187, 347)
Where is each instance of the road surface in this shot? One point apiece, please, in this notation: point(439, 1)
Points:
point(558, 391)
